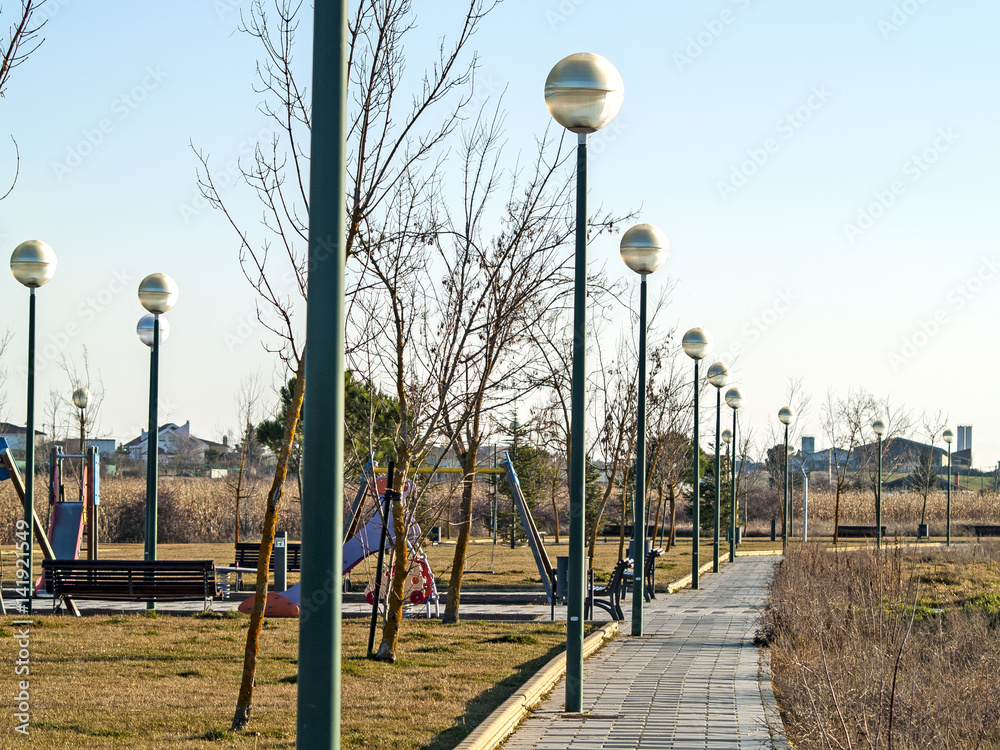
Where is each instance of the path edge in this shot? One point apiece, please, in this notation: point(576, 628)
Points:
point(772, 715)
point(500, 724)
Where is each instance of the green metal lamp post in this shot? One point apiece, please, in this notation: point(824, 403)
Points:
point(644, 248)
point(718, 375)
point(695, 344)
point(879, 426)
point(319, 709)
point(948, 436)
point(583, 92)
point(734, 399)
point(81, 397)
point(33, 264)
point(786, 416)
point(158, 294)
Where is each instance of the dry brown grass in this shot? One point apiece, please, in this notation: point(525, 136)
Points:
point(900, 511)
point(164, 682)
point(862, 641)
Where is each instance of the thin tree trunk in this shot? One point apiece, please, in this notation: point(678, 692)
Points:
point(555, 505)
point(836, 515)
point(464, 531)
point(394, 612)
point(657, 528)
point(673, 517)
point(244, 703)
point(621, 526)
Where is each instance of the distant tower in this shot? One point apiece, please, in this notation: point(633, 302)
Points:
point(965, 437)
point(808, 444)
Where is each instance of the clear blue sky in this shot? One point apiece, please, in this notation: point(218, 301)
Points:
point(826, 174)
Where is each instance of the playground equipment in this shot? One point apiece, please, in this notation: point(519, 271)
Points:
point(542, 562)
point(362, 544)
point(68, 520)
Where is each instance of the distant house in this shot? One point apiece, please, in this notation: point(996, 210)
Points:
point(105, 446)
point(174, 440)
point(14, 435)
point(898, 455)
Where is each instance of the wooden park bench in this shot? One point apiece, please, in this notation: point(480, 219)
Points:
point(247, 554)
point(609, 596)
point(860, 531)
point(986, 530)
point(131, 580)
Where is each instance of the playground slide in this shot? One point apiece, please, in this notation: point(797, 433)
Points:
point(363, 544)
point(65, 535)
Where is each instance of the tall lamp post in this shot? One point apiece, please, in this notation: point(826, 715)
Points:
point(734, 399)
point(158, 294)
point(879, 426)
point(727, 439)
point(81, 397)
point(644, 248)
point(948, 436)
point(583, 93)
point(695, 344)
point(33, 264)
point(786, 416)
point(718, 375)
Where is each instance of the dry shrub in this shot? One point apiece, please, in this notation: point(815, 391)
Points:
point(860, 644)
point(189, 509)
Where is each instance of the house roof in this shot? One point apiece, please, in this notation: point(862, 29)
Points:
point(6, 428)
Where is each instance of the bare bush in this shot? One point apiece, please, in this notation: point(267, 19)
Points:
point(873, 649)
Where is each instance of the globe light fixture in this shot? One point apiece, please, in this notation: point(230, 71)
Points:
point(695, 343)
point(583, 93)
point(644, 248)
point(33, 263)
point(158, 293)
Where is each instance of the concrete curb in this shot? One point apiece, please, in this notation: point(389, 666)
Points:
point(499, 725)
point(775, 726)
point(675, 586)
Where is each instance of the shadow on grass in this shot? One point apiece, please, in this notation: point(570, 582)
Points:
point(477, 709)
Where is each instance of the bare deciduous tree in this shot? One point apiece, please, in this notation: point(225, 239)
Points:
point(22, 41)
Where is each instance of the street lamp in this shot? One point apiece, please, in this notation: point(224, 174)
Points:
point(718, 375)
point(786, 416)
point(879, 426)
point(644, 248)
point(734, 399)
point(583, 93)
point(33, 264)
point(948, 436)
point(695, 344)
point(157, 293)
point(81, 397)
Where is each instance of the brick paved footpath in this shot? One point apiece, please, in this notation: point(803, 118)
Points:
point(691, 681)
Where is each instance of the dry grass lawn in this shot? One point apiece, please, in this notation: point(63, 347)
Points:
point(171, 682)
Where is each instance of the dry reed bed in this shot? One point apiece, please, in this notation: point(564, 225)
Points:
point(898, 649)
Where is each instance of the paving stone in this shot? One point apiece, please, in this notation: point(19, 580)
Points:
point(690, 681)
